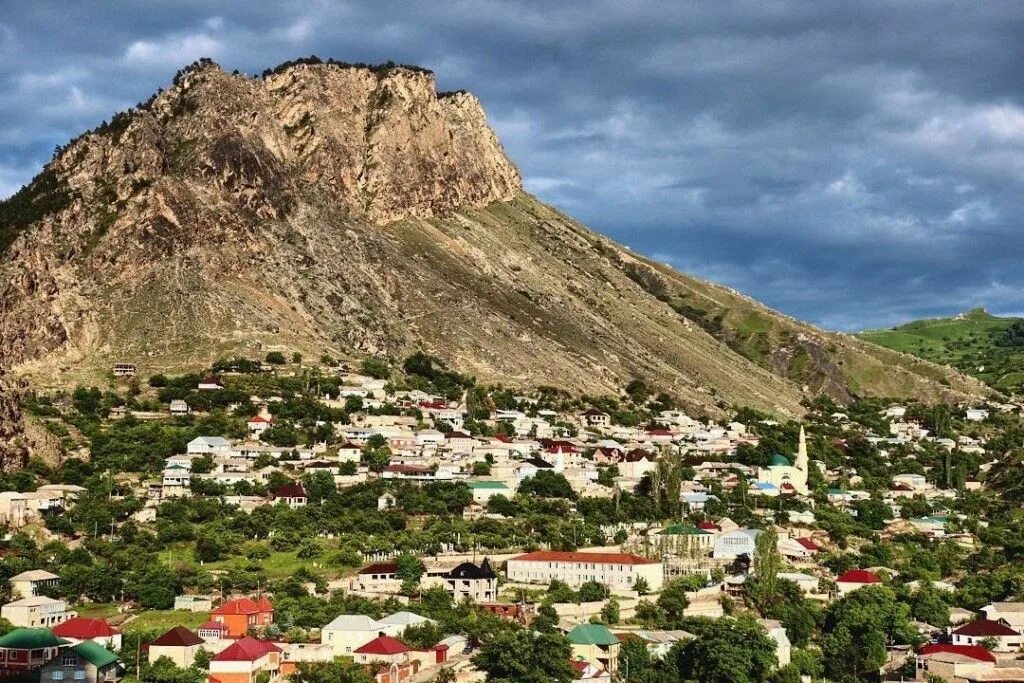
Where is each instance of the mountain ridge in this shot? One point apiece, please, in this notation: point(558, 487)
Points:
point(344, 209)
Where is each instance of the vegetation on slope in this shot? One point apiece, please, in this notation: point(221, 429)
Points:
point(977, 343)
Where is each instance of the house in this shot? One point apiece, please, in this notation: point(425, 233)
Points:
point(386, 501)
point(86, 662)
point(734, 544)
point(293, 495)
point(952, 662)
point(783, 648)
point(259, 424)
point(36, 612)
point(1005, 638)
point(209, 445)
point(81, 629)
point(597, 418)
point(193, 603)
point(381, 577)
point(614, 570)
point(28, 584)
point(382, 650)
point(1009, 613)
point(179, 645)
point(245, 660)
point(179, 407)
point(242, 615)
point(350, 452)
point(459, 442)
point(24, 650)
point(212, 631)
point(976, 414)
point(483, 490)
point(855, 578)
point(585, 671)
point(209, 384)
point(595, 644)
point(348, 632)
point(395, 624)
point(470, 582)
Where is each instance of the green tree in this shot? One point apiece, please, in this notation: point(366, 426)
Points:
point(410, 570)
point(336, 671)
point(610, 612)
point(858, 629)
point(520, 656)
point(673, 602)
point(728, 651)
point(275, 358)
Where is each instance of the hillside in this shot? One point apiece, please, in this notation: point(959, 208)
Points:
point(353, 210)
point(974, 342)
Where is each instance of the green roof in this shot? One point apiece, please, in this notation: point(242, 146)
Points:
point(94, 653)
point(780, 460)
point(683, 530)
point(31, 639)
point(486, 485)
point(592, 634)
point(835, 492)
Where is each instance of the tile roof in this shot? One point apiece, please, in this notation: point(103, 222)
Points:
point(383, 645)
point(858, 576)
point(30, 639)
point(245, 650)
point(591, 634)
point(596, 558)
point(240, 606)
point(84, 629)
point(985, 628)
point(380, 568)
point(94, 653)
point(972, 651)
point(292, 490)
point(179, 636)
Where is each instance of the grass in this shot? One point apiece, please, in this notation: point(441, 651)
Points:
point(965, 342)
point(97, 610)
point(279, 565)
point(164, 620)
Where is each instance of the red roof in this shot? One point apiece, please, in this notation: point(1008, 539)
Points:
point(348, 446)
point(238, 606)
point(83, 628)
point(292, 490)
point(707, 526)
point(596, 558)
point(972, 651)
point(808, 544)
point(985, 628)
point(659, 432)
point(259, 419)
point(380, 568)
point(858, 576)
point(458, 435)
point(264, 604)
point(179, 636)
point(246, 650)
point(383, 645)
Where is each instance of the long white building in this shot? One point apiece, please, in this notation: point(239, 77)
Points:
point(615, 570)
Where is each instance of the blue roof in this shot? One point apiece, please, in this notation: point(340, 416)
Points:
point(765, 485)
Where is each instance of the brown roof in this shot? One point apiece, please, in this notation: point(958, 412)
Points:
point(179, 636)
point(596, 558)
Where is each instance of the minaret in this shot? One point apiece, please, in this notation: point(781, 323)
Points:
point(801, 452)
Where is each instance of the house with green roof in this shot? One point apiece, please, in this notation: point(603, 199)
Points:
point(87, 662)
point(483, 490)
point(595, 644)
point(685, 540)
point(25, 650)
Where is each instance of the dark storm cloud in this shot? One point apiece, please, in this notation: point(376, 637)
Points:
point(851, 165)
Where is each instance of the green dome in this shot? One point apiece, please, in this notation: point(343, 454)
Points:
point(781, 460)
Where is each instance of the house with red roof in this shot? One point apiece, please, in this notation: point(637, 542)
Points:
point(953, 662)
point(179, 645)
point(855, 578)
point(244, 660)
point(615, 570)
point(585, 671)
point(258, 424)
point(382, 649)
point(982, 630)
point(242, 615)
point(213, 631)
point(80, 629)
point(292, 494)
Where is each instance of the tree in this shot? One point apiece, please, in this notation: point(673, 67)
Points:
point(481, 469)
point(410, 569)
point(610, 611)
point(673, 602)
point(641, 586)
point(546, 484)
point(592, 591)
point(520, 656)
point(728, 651)
point(927, 605)
point(634, 660)
point(546, 619)
point(858, 628)
point(275, 358)
point(763, 588)
point(335, 671)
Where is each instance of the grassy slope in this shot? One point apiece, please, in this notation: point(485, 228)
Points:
point(964, 342)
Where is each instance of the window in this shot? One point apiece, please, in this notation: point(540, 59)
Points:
point(69, 660)
point(58, 675)
point(80, 675)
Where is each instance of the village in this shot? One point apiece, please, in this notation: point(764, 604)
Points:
point(725, 522)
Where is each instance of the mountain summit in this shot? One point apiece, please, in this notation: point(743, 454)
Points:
point(351, 209)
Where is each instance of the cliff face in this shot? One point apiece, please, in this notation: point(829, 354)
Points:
point(13, 448)
point(336, 209)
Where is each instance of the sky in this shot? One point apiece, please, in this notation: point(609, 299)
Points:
point(855, 165)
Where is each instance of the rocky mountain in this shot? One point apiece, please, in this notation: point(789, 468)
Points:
point(348, 209)
point(13, 440)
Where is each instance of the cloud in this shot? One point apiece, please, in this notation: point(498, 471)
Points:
point(835, 161)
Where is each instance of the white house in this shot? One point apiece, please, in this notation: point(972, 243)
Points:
point(209, 445)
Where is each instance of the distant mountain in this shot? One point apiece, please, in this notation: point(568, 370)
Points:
point(978, 343)
point(351, 210)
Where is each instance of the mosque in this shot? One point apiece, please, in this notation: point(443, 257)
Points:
point(787, 476)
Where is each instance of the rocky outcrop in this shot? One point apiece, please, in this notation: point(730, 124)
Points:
point(13, 448)
point(345, 209)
